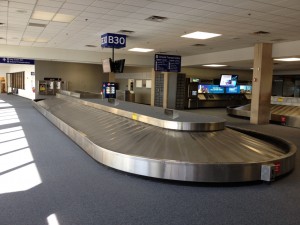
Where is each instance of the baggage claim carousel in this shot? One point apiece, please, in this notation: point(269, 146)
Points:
point(167, 144)
point(287, 115)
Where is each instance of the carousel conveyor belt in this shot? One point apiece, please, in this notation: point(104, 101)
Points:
point(226, 155)
point(288, 114)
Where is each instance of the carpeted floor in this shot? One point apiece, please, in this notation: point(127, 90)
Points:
point(47, 179)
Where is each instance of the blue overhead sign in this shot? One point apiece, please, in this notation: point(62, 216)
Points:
point(17, 61)
point(167, 63)
point(110, 40)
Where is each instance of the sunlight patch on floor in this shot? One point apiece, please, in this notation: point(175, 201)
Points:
point(18, 171)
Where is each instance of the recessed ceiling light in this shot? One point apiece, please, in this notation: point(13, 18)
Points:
point(41, 15)
point(21, 11)
point(91, 46)
point(200, 35)
point(37, 25)
point(64, 18)
point(141, 50)
point(156, 18)
point(126, 31)
point(288, 59)
point(198, 45)
point(214, 65)
point(37, 40)
point(261, 32)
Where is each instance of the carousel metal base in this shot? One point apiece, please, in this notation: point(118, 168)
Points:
point(285, 114)
point(142, 148)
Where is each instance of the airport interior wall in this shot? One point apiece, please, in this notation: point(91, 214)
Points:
point(210, 74)
point(142, 94)
point(80, 76)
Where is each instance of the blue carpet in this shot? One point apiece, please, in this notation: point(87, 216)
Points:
point(80, 191)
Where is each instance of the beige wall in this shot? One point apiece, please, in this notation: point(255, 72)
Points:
point(210, 74)
point(80, 76)
point(142, 95)
point(134, 69)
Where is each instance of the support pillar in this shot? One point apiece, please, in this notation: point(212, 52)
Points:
point(261, 84)
point(166, 90)
point(152, 97)
point(111, 77)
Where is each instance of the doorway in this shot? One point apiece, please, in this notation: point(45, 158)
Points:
point(2, 84)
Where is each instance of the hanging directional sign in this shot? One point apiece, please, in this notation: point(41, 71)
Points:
point(110, 40)
point(167, 63)
point(17, 61)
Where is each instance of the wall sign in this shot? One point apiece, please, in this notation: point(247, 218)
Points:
point(167, 63)
point(17, 61)
point(110, 40)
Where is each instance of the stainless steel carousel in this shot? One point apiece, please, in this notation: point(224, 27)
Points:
point(173, 145)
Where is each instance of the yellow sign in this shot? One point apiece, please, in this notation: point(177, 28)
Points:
point(134, 116)
point(280, 100)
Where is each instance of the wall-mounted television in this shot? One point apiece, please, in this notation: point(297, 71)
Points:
point(107, 65)
point(208, 88)
point(119, 66)
point(233, 90)
point(228, 80)
point(245, 89)
point(194, 93)
point(196, 80)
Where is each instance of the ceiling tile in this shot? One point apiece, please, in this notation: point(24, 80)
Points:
point(141, 3)
point(69, 12)
point(96, 10)
point(89, 15)
point(3, 4)
point(118, 13)
point(197, 13)
point(74, 6)
point(49, 3)
point(104, 4)
point(261, 7)
point(21, 6)
point(193, 4)
point(127, 8)
point(158, 6)
point(46, 9)
point(81, 2)
point(283, 12)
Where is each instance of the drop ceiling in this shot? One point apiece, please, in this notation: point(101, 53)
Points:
point(242, 23)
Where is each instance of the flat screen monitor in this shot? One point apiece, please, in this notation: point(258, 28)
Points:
point(194, 93)
point(208, 88)
point(245, 89)
point(119, 66)
point(197, 80)
point(228, 80)
point(107, 65)
point(233, 90)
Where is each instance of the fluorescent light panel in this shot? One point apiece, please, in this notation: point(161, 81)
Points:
point(32, 39)
point(214, 65)
point(288, 59)
point(200, 35)
point(28, 39)
point(64, 18)
point(58, 17)
point(141, 50)
point(41, 15)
